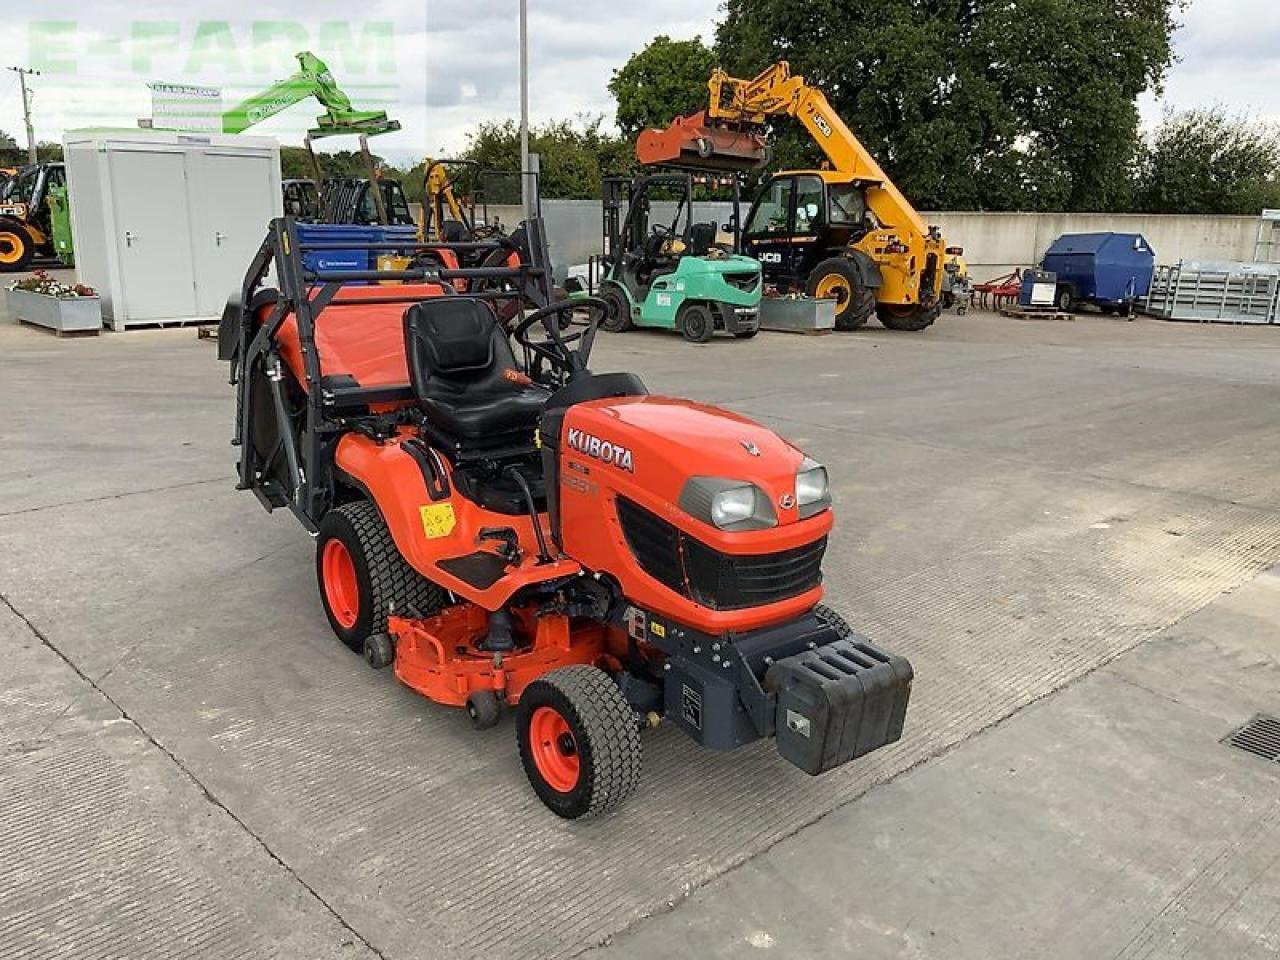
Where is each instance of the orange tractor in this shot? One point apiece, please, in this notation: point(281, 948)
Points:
point(507, 529)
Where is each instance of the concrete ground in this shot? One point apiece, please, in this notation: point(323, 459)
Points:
point(1066, 527)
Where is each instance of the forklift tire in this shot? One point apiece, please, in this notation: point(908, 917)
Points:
point(363, 577)
point(16, 247)
point(836, 278)
point(617, 316)
point(484, 708)
point(907, 317)
point(696, 323)
point(579, 741)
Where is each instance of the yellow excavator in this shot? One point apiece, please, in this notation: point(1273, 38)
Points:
point(844, 232)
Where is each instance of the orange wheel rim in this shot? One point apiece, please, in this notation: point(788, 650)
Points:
point(555, 751)
point(341, 589)
point(10, 248)
point(833, 287)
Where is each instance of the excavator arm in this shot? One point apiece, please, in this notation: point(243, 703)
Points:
point(313, 79)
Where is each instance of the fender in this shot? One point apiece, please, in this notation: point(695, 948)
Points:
point(868, 269)
point(432, 530)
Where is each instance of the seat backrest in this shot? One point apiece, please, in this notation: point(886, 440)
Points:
point(701, 237)
point(454, 342)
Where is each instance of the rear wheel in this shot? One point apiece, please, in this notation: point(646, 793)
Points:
point(363, 577)
point(837, 279)
point(907, 316)
point(579, 741)
point(617, 315)
point(696, 323)
point(16, 247)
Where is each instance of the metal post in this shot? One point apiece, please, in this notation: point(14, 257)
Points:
point(524, 106)
point(23, 73)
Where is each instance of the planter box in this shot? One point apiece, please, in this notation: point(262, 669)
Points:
point(63, 316)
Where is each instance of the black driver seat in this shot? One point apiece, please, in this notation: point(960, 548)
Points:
point(465, 377)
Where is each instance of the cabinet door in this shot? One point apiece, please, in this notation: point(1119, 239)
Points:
point(149, 194)
point(232, 203)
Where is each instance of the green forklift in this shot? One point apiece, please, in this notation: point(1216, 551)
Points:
point(671, 274)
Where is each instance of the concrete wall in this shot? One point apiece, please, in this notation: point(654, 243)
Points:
point(994, 243)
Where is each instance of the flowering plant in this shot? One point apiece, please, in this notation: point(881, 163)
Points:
point(42, 283)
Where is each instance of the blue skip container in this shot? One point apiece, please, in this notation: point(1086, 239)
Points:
point(328, 261)
point(1110, 270)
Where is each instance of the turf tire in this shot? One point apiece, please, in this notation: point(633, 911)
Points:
point(606, 734)
point(384, 579)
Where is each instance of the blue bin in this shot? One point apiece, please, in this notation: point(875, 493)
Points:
point(355, 259)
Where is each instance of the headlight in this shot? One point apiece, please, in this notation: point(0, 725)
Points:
point(727, 504)
point(813, 492)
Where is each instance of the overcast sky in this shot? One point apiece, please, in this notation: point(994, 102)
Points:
point(441, 66)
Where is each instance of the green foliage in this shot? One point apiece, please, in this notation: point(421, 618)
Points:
point(667, 79)
point(574, 157)
point(973, 103)
point(1207, 161)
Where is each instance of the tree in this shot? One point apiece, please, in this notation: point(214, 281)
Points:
point(667, 79)
point(972, 103)
point(1207, 161)
point(574, 158)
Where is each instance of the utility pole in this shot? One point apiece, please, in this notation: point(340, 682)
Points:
point(524, 105)
point(23, 73)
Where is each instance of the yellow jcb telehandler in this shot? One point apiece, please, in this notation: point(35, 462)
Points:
point(844, 232)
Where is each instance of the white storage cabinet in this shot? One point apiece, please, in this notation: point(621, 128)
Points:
point(165, 224)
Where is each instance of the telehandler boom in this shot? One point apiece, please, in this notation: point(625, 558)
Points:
point(844, 232)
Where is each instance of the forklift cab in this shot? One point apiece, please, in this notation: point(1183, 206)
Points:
point(350, 200)
point(643, 247)
point(798, 219)
point(301, 199)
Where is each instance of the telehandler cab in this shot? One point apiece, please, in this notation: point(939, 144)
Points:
point(506, 528)
point(845, 233)
point(26, 217)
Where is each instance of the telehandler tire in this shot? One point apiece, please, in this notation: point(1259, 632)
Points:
point(363, 577)
point(617, 315)
point(16, 247)
point(907, 317)
point(579, 741)
point(838, 279)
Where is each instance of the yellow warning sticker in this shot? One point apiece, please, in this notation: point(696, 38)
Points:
point(437, 520)
point(658, 629)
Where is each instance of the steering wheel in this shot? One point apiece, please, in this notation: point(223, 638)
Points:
point(556, 349)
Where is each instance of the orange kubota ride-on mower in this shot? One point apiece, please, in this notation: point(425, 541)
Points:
point(506, 528)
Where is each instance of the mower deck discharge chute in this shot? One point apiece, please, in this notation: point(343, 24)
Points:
point(508, 529)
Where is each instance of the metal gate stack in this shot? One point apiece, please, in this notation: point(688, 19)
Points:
point(1216, 292)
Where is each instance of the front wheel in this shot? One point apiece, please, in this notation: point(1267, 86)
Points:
point(16, 247)
point(1065, 299)
point(579, 742)
point(838, 279)
point(617, 314)
point(696, 323)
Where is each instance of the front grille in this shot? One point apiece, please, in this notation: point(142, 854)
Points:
point(743, 281)
point(720, 581)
